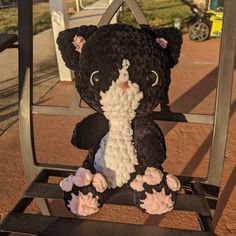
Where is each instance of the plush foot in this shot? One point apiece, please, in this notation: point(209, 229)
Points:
point(156, 192)
point(82, 192)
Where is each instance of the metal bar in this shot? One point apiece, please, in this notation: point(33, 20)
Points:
point(44, 190)
point(64, 171)
point(199, 190)
point(25, 87)
point(192, 203)
point(184, 202)
point(170, 116)
point(58, 173)
point(52, 167)
point(61, 226)
point(13, 46)
point(183, 117)
point(115, 6)
point(136, 10)
point(223, 97)
point(25, 18)
point(110, 12)
point(204, 220)
point(7, 41)
point(21, 206)
point(56, 110)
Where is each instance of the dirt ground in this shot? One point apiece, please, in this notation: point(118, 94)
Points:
point(193, 89)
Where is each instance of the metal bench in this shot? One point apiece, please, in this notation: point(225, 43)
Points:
point(201, 194)
point(7, 41)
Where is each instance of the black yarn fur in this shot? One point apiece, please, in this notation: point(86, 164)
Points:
point(104, 50)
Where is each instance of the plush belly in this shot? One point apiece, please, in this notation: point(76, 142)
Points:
point(116, 157)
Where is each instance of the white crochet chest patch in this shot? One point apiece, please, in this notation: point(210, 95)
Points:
point(116, 156)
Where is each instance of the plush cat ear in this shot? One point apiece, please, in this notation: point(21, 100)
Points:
point(70, 43)
point(173, 37)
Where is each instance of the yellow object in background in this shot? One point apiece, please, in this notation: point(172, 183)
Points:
point(216, 23)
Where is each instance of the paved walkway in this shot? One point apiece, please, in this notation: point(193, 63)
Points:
point(45, 67)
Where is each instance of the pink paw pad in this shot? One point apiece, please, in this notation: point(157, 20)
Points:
point(67, 184)
point(159, 199)
point(99, 182)
point(152, 176)
point(137, 183)
point(173, 182)
point(157, 203)
point(83, 177)
point(83, 205)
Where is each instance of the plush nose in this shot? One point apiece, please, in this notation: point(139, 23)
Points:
point(123, 85)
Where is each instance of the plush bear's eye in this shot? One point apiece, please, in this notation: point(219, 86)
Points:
point(95, 78)
point(153, 78)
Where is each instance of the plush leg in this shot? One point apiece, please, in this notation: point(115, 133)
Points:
point(156, 192)
point(83, 191)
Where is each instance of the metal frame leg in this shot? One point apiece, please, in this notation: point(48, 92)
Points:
point(223, 97)
point(25, 94)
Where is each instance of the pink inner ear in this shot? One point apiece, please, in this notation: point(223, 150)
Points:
point(162, 42)
point(78, 42)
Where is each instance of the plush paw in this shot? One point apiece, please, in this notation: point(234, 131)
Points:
point(83, 204)
point(99, 182)
point(82, 191)
point(156, 192)
point(157, 202)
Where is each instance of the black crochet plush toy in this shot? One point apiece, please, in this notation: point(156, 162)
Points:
point(122, 73)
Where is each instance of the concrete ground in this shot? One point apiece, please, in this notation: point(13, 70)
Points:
point(192, 89)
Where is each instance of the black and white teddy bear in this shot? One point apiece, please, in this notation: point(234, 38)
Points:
point(121, 72)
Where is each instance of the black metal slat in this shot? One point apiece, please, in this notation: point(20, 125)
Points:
point(40, 189)
point(62, 172)
point(205, 222)
point(184, 202)
point(61, 226)
point(7, 41)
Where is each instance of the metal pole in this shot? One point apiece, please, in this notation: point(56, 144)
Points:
point(114, 18)
point(25, 37)
point(224, 92)
point(115, 6)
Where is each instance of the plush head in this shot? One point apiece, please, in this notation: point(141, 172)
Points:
point(119, 67)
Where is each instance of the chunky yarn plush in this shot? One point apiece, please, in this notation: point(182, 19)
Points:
point(122, 73)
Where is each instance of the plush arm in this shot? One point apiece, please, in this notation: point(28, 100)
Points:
point(149, 142)
point(89, 131)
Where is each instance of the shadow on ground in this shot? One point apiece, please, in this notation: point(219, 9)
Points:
point(43, 80)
